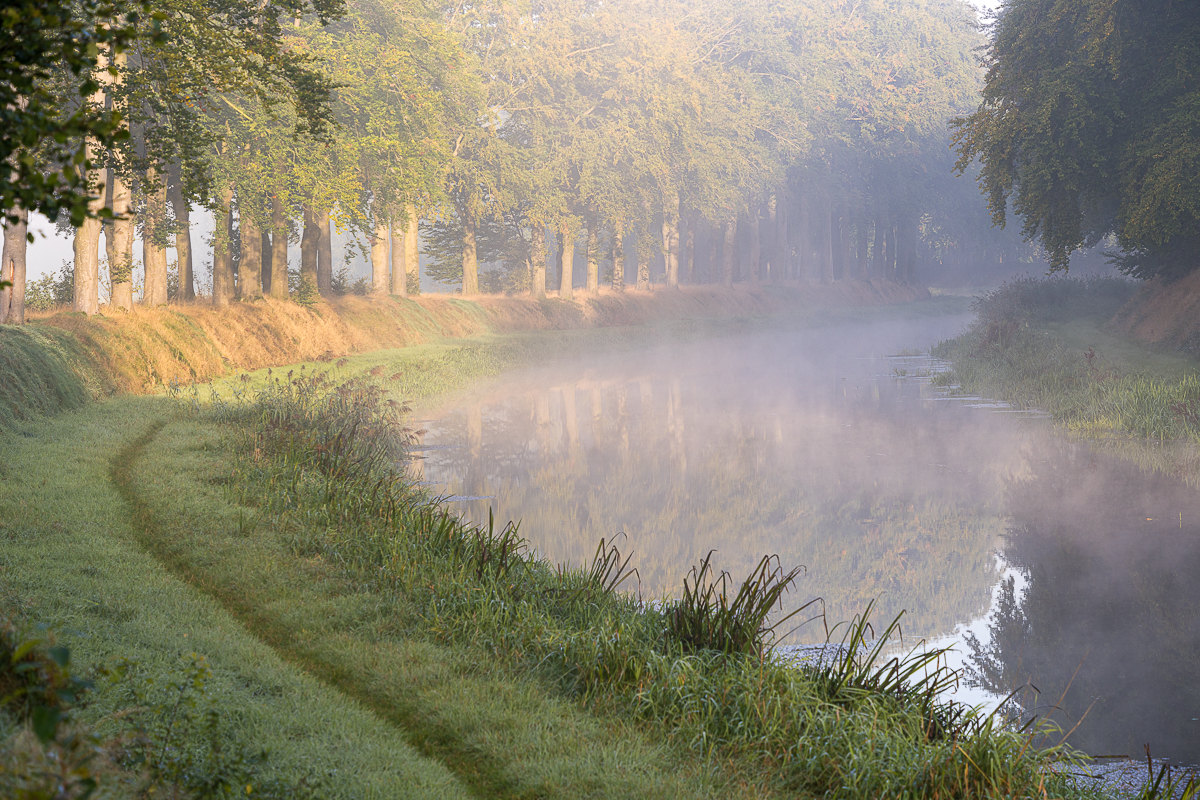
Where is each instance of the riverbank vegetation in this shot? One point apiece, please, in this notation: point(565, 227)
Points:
point(1041, 344)
point(279, 537)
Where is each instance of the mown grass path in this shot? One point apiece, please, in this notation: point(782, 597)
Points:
point(71, 557)
point(501, 738)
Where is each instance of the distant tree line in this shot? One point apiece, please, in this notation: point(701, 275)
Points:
point(679, 142)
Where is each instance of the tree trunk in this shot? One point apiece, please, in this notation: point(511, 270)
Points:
point(324, 254)
point(844, 254)
point(782, 243)
point(889, 251)
point(279, 243)
point(380, 278)
point(310, 241)
point(712, 271)
point(558, 260)
point(412, 252)
point(826, 220)
point(643, 265)
point(249, 283)
point(567, 287)
point(729, 242)
point(593, 259)
point(804, 243)
point(689, 249)
point(537, 287)
point(12, 299)
point(399, 258)
point(877, 257)
point(864, 270)
point(470, 256)
point(87, 247)
point(618, 257)
point(670, 238)
point(222, 283)
point(87, 236)
point(154, 240)
point(183, 243)
point(753, 272)
point(120, 265)
point(267, 254)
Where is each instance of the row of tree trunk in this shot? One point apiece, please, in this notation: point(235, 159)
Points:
point(776, 242)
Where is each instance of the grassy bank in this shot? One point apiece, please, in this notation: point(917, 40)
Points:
point(376, 647)
point(1044, 344)
point(142, 351)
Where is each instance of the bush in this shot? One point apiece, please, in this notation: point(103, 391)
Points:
point(51, 291)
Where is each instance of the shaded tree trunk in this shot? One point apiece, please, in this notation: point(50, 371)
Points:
point(670, 238)
point(593, 259)
point(222, 284)
point(412, 252)
point(310, 243)
point(567, 255)
point(249, 279)
point(847, 258)
point(184, 269)
point(16, 245)
point(755, 265)
point(729, 242)
point(558, 261)
point(537, 246)
point(782, 243)
point(861, 239)
point(805, 262)
point(879, 256)
point(380, 278)
point(618, 257)
point(712, 272)
point(643, 265)
point(889, 254)
point(324, 254)
point(470, 256)
point(689, 249)
point(279, 256)
point(399, 256)
point(154, 240)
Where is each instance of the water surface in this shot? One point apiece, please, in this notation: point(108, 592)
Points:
point(831, 449)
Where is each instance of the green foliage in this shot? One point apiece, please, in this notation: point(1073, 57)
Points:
point(51, 291)
point(1089, 125)
point(705, 619)
point(46, 122)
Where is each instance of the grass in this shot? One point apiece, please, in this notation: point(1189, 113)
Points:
point(1040, 344)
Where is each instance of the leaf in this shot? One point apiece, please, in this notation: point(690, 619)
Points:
point(45, 723)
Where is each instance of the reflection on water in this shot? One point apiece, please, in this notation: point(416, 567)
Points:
point(1110, 605)
point(821, 448)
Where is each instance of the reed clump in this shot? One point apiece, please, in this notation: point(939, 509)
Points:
point(319, 460)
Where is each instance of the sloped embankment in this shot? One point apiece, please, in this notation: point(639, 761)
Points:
point(59, 361)
point(1164, 313)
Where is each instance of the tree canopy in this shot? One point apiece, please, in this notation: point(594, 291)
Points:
point(1090, 125)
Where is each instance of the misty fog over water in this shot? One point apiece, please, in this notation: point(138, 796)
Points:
point(831, 448)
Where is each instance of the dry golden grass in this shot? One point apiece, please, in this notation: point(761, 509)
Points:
point(148, 348)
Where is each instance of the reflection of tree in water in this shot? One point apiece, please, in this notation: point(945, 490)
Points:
point(1111, 592)
point(874, 502)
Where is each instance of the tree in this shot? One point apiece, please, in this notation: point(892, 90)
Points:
point(1090, 125)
